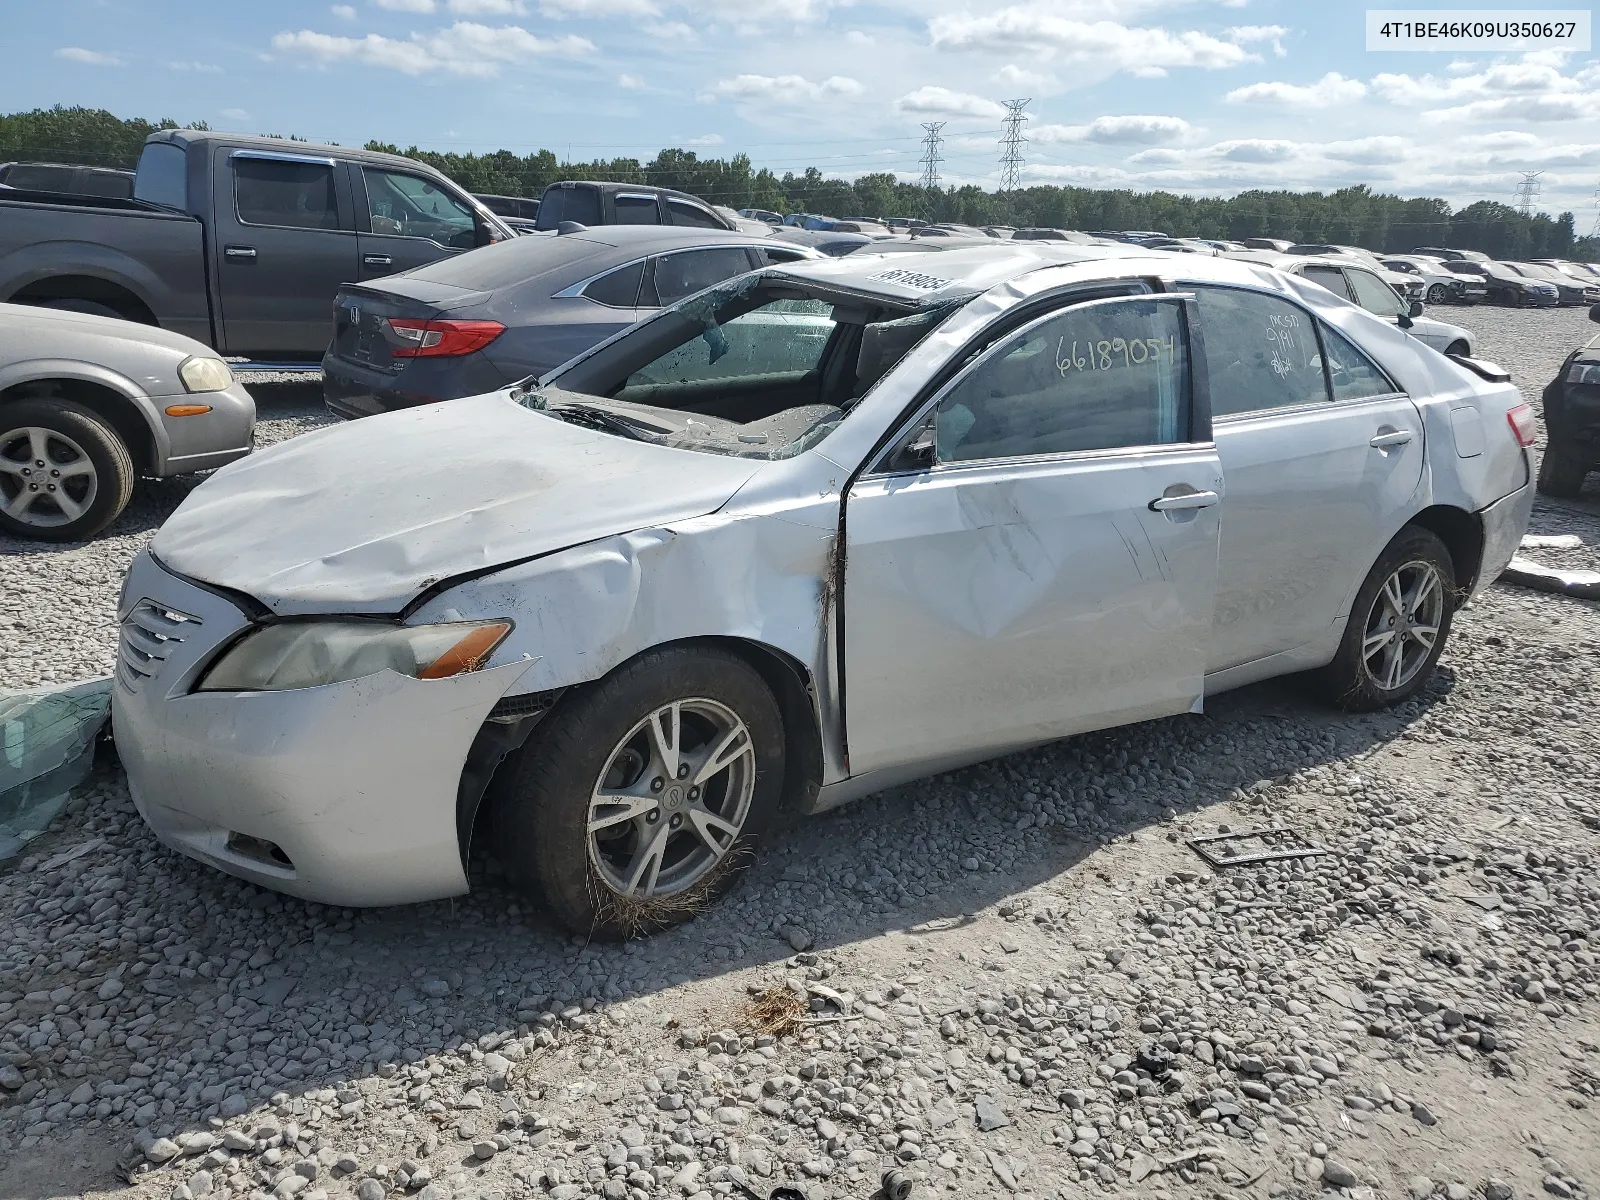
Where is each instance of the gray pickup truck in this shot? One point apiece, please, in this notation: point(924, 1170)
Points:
point(238, 242)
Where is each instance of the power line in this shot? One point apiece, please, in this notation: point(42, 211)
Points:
point(1528, 192)
point(931, 157)
point(1011, 146)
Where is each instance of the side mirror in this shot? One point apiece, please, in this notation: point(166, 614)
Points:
point(1416, 309)
point(1594, 313)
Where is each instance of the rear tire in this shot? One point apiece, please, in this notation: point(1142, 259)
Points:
point(1397, 626)
point(64, 473)
point(613, 830)
point(1561, 475)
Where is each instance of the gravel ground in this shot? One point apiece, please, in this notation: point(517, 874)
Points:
point(1013, 980)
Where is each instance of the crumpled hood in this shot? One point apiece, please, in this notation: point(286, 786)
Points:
point(362, 517)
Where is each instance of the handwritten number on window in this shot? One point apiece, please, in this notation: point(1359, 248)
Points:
point(1112, 353)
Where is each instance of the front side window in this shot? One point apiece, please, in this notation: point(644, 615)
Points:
point(783, 337)
point(1374, 295)
point(1261, 351)
point(415, 207)
point(294, 194)
point(1329, 277)
point(638, 210)
point(691, 215)
point(1101, 376)
point(677, 276)
point(1353, 375)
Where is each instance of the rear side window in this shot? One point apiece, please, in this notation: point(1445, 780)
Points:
point(772, 257)
point(163, 176)
point(298, 195)
point(580, 204)
point(638, 210)
point(680, 212)
point(619, 288)
point(1101, 376)
point(34, 177)
point(684, 274)
point(1354, 376)
point(1260, 351)
point(1329, 277)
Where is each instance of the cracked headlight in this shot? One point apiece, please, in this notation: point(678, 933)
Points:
point(303, 654)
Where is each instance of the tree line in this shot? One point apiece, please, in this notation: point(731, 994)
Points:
point(1351, 216)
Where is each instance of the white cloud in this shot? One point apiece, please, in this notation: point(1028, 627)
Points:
point(857, 37)
point(1248, 34)
point(488, 8)
point(1104, 45)
point(89, 58)
point(1127, 130)
point(465, 48)
point(705, 139)
point(1532, 89)
point(669, 30)
point(1372, 150)
point(1522, 108)
point(1014, 77)
point(562, 9)
point(631, 83)
point(942, 102)
point(1331, 90)
point(345, 12)
point(1256, 150)
point(198, 67)
point(410, 6)
point(236, 114)
point(785, 89)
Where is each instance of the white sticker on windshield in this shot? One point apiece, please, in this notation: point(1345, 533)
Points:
point(910, 279)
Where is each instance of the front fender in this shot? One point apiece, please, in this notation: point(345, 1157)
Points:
point(133, 391)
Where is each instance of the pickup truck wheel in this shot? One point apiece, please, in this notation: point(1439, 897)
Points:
point(64, 474)
point(93, 307)
point(1397, 626)
point(1561, 475)
point(636, 805)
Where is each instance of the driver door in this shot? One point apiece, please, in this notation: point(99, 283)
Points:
point(408, 221)
point(1038, 557)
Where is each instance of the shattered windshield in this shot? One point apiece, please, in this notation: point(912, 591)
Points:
point(759, 367)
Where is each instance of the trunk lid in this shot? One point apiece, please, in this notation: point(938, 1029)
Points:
point(361, 313)
point(362, 518)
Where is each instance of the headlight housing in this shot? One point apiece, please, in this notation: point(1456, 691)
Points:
point(1584, 373)
point(303, 654)
point(205, 374)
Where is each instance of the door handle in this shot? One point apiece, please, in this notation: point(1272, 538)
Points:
point(239, 251)
point(1185, 500)
point(376, 260)
point(1394, 437)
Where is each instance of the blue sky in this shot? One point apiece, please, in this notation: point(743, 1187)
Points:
point(1205, 96)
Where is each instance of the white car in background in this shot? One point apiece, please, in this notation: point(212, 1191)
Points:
point(1440, 285)
point(1348, 277)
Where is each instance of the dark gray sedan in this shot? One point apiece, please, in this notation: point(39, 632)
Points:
point(471, 324)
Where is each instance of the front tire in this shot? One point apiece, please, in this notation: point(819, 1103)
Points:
point(1397, 626)
point(1437, 294)
point(637, 803)
point(64, 473)
point(1561, 475)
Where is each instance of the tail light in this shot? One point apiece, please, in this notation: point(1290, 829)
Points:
point(441, 339)
point(1523, 425)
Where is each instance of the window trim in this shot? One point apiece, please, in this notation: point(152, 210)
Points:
point(666, 211)
point(576, 289)
point(582, 292)
point(297, 159)
point(1350, 274)
point(1199, 396)
point(364, 207)
point(1394, 392)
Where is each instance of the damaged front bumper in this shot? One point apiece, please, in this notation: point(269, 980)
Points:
point(344, 793)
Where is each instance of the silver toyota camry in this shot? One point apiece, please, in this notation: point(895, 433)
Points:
point(821, 529)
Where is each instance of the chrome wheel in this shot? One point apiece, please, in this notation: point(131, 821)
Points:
point(1403, 626)
point(672, 799)
point(46, 478)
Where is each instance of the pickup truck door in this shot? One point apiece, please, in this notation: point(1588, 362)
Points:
point(407, 220)
point(285, 239)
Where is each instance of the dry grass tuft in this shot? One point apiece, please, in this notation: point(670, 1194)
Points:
point(777, 1012)
point(626, 918)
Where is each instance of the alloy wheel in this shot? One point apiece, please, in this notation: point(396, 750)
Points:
point(672, 799)
point(1403, 625)
point(1437, 294)
point(46, 478)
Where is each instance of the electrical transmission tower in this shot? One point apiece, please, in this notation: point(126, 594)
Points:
point(1528, 192)
point(930, 154)
point(1595, 231)
point(1012, 143)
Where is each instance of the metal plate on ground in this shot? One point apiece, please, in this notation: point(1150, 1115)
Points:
point(1244, 847)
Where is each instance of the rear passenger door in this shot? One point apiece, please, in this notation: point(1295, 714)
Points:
point(1321, 462)
point(285, 236)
